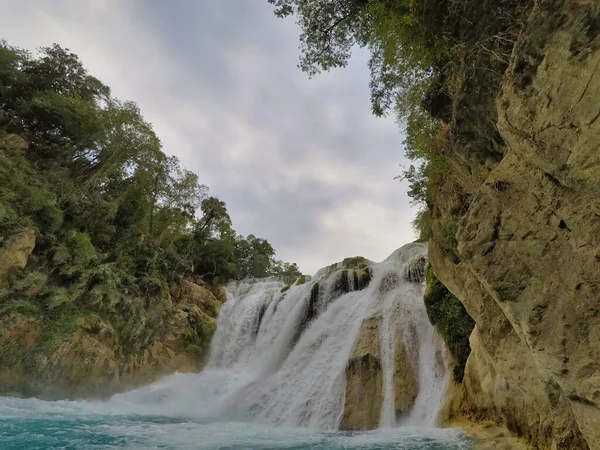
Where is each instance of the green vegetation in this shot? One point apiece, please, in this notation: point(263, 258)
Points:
point(436, 65)
point(293, 282)
point(407, 65)
point(118, 223)
point(450, 317)
point(361, 272)
point(449, 243)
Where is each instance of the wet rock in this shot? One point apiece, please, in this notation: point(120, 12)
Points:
point(364, 378)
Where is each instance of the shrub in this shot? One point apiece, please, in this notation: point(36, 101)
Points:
point(422, 225)
point(450, 317)
point(449, 242)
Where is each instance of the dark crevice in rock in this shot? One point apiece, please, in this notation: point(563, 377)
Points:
point(563, 225)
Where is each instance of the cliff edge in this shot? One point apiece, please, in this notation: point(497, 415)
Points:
point(527, 263)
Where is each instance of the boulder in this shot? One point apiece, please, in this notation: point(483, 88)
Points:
point(405, 379)
point(16, 251)
point(364, 381)
point(364, 378)
point(203, 298)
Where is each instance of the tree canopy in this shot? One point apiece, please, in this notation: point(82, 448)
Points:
point(118, 222)
point(406, 66)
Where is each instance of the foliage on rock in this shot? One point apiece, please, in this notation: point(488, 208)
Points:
point(449, 316)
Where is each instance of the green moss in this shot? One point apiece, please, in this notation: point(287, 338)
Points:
point(195, 350)
point(59, 295)
point(20, 306)
point(450, 317)
point(42, 206)
point(218, 291)
point(449, 242)
point(211, 306)
point(205, 328)
point(354, 262)
point(294, 282)
point(31, 285)
point(8, 216)
point(154, 286)
point(59, 326)
point(49, 218)
point(82, 248)
point(75, 253)
point(355, 269)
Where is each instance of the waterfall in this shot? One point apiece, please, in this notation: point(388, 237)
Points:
point(280, 355)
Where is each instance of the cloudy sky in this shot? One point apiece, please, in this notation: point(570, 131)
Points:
point(299, 162)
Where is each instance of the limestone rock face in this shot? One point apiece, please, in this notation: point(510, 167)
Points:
point(87, 360)
point(16, 250)
point(529, 244)
point(405, 380)
point(364, 379)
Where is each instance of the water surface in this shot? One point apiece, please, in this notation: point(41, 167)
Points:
point(34, 424)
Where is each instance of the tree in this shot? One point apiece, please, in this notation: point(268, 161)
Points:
point(215, 217)
point(285, 269)
point(407, 66)
point(330, 29)
point(256, 257)
point(401, 59)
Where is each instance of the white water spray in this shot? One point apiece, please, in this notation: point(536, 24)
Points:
point(280, 357)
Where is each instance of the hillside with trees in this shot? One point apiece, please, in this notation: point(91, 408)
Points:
point(102, 234)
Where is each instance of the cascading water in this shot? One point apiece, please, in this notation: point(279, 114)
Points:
point(281, 357)
point(279, 360)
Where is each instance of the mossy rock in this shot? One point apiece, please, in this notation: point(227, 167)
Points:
point(295, 282)
point(354, 262)
point(218, 291)
point(449, 242)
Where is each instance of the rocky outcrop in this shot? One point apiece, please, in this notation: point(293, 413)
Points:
point(528, 270)
point(15, 251)
point(85, 359)
point(364, 379)
point(405, 379)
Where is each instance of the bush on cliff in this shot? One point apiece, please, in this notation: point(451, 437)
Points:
point(450, 317)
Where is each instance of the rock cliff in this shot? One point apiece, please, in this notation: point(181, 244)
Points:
point(85, 358)
point(364, 379)
point(526, 264)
